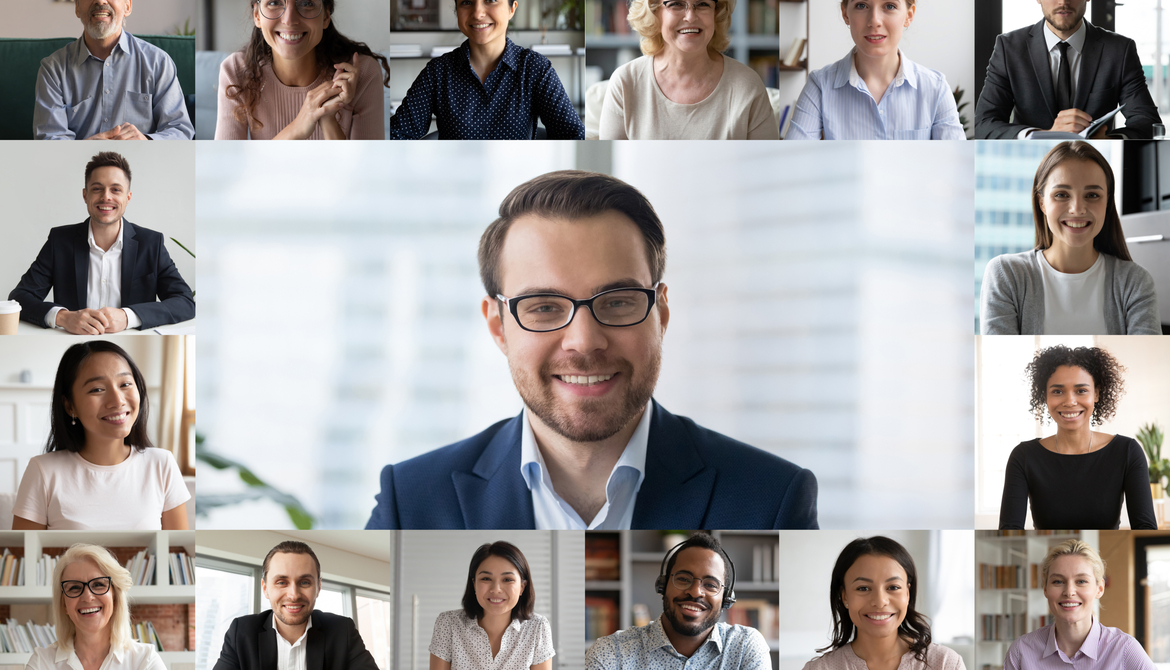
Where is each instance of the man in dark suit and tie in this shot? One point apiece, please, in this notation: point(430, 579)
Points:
point(106, 273)
point(573, 273)
point(1061, 74)
point(293, 636)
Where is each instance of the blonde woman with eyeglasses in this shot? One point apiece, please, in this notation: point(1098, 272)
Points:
point(92, 617)
point(683, 87)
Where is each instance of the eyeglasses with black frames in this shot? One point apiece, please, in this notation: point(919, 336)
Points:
point(98, 586)
point(684, 580)
point(546, 312)
point(274, 9)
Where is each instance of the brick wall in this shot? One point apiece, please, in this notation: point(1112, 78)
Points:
point(173, 624)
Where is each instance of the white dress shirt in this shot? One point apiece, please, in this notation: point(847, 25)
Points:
point(104, 282)
point(138, 656)
point(621, 489)
point(1076, 43)
point(291, 656)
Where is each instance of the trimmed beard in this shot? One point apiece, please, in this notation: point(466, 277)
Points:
point(689, 629)
point(100, 31)
point(589, 424)
point(1075, 23)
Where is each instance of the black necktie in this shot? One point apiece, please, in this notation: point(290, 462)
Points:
point(1064, 80)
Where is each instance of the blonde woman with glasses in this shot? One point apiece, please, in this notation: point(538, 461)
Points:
point(683, 87)
point(92, 617)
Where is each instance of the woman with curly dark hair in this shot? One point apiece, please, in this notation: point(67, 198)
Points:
point(872, 594)
point(298, 78)
point(1079, 279)
point(1077, 477)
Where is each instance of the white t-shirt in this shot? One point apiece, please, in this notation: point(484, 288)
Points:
point(459, 640)
point(138, 656)
point(66, 492)
point(1074, 304)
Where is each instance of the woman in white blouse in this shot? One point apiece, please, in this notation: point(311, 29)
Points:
point(100, 470)
point(92, 617)
point(496, 628)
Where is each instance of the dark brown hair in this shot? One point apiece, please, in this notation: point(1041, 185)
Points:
point(523, 608)
point(67, 436)
point(334, 48)
point(290, 547)
point(107, 159)
point(1101, 366)
point(915, 628)
point(1110, 240)
point(571, 194)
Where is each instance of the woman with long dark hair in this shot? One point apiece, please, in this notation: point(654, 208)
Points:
point(1079, 279)
point(100, 470)
point(496, 627)
point(298, 78)
point(872, 594)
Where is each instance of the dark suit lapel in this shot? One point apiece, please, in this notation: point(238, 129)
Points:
point(1038, 52)
point(678, 486)
point(129, 258)
point(315, 646)
point(266, 643)
point(493, 494)
point(80, 269)
point(1090, 60)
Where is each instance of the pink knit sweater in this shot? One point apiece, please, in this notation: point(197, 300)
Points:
point(362, 119)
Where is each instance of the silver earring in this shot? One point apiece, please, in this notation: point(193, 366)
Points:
point(74, 421)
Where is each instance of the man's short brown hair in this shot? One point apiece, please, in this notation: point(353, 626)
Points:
point(571, 194)
point(107, 159)
point(290, 547)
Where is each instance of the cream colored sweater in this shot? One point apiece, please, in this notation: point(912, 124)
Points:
point(363, 119)
point(635, 108)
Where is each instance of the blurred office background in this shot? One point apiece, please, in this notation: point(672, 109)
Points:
point(1004, 224)
point(1001, 404)
point(28, 367)
point(944, 560)
point(57, 19)
point(819, 311)
point(356, 582)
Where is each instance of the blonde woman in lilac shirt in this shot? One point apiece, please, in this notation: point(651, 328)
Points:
point(1074, 579)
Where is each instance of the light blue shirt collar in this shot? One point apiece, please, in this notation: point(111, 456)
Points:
point(621, 489)
point(84, 54)
point(906, 73)
point(1076, 40)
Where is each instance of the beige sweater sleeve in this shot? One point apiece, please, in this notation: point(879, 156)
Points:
point(226, 125)
point(369, 105)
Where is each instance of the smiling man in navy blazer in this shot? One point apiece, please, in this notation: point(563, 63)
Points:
point(105, 272)
point(573, 272)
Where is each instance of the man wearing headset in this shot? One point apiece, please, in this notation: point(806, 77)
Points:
point(697, 584)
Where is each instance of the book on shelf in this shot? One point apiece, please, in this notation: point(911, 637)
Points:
point(601, 617)
point(602, 561)
point(763, 558)
point(45, 567)
point(141, 568)
point(1008, 627)
point(608, 17)
point(764, 17)
point(792, 58)
point(182, 570)
point(11, 572)
point(993, 576)
point(759, 614)
point(144, 632)
point(22, 638)
point(768, 69)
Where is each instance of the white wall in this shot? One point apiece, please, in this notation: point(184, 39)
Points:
point(252, 546)
point(360, 20)
point(941, 38)
point(42, 184)
point(44, 18)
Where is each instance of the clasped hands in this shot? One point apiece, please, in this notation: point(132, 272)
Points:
point(92, 321)
point(322, 103)
point(1074, 121)
point(123, 131)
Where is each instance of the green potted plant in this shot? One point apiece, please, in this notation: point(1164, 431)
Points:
point(1150, 436)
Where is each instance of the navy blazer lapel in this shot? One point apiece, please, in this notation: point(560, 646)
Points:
point(266, 643)
point(315, 646)
point(1038, 51)
point(1090, 61)
point(80, 270)
point(493, 494)
point(678, 486)
point(129, 259)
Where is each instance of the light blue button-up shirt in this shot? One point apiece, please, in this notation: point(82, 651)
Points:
point(621, 489)
point(80, 95)
point(648, 648)
point(918, 105)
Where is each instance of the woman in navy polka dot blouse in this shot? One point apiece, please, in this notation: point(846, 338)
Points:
point(496, 628)
point(488, 88)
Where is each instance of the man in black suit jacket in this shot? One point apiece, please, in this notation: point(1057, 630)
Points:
point(1104, 71)
point(309, 640)
point(127, 267)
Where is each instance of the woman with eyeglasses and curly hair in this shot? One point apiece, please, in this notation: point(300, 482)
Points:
point(92, 617)
point(1077, 477)
point(299, 78)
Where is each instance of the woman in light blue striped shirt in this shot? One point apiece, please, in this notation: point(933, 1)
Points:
point(875, 92)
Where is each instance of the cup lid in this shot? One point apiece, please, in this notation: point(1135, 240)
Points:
point(9, 307)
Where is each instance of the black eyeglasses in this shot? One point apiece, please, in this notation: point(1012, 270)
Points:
point(546, 312)
point(98, 586)
point(274, 9)
point(683, 581)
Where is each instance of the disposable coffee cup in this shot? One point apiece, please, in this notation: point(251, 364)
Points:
point(9, 316)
